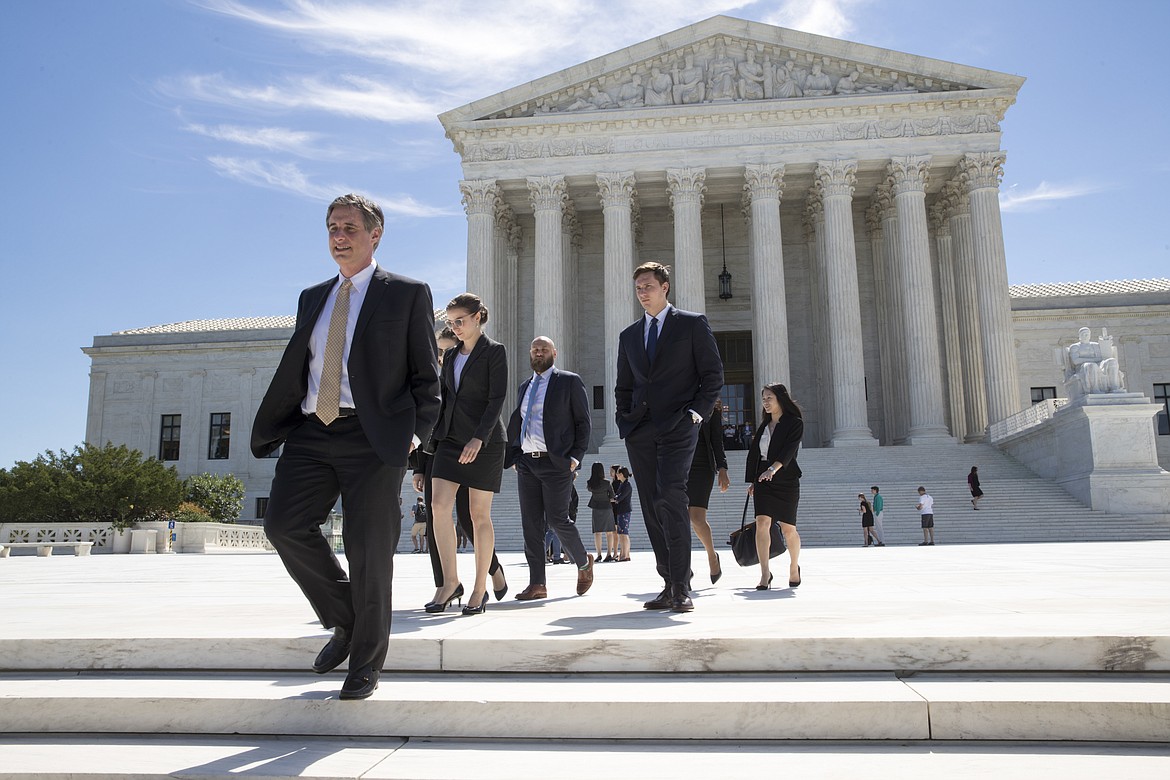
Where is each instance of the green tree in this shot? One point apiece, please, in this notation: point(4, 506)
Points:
point(220, 495)
point(114, 484)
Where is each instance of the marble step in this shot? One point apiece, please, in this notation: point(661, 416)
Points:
point(147, 757)
point(1103, 708)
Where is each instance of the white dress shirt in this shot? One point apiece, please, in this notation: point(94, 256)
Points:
point(357, 295)
point(532, 411)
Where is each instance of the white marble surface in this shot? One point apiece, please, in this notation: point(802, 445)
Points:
point(1059, 607)
point(393, 759)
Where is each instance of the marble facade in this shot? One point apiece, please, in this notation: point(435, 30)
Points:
point(864, 232)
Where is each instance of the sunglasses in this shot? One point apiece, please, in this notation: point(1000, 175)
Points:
point(458, 322)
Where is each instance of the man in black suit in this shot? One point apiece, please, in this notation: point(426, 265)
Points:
point(355, 392)
point(669, 374)
point(548, 435)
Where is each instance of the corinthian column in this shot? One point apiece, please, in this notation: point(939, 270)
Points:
point(765, 185)
point(923, 363)
point(479, 201)
point(981, 173)
point(836, 180)
point(967, 313)
point(570, 245)
point(946, 281)
point(895, 319)
point(617, 196)
point(687, 186)
point(548, 195)
point(822, 380)
point(881, 291)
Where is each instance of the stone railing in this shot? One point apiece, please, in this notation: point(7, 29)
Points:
point(1022, 421)
point(190, 537)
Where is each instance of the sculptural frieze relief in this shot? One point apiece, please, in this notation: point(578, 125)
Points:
point(727, 70)
point(1091, 366)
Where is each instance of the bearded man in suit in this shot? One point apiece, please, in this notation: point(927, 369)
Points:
point(356, 390)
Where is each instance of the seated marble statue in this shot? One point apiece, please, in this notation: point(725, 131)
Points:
point(599, 99)
point(721, 75)
point(631, 93)
point(751, 78)
point(851, 85)
point(659, 89)
point(818, 83)
point(786, 84)
point(688, 83)
point(1092, 367)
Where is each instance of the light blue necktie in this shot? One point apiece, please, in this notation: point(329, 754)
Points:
point(532, 388)
point(652, 339)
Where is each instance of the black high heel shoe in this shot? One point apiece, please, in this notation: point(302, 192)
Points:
point(795, 583)
point(502, 591)
point(470, 610)
point(441, 606)
point(768, 586)
point(715, 575)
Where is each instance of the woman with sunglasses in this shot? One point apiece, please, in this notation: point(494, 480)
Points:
point(773, 478)
point(470, 446)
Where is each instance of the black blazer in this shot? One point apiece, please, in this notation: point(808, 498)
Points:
point(567, 423)
point(711, 438)
point(687, 373)
point(473, 412)
point(393, 368)
point(783, 447)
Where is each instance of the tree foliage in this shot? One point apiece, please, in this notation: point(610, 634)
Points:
point(113, 484)
point(220, 495)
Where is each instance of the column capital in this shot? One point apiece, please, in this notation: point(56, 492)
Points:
point(957, 200)
point(617, 188)
point(981, 170)
point(836, 177)
point(479, 195)
point(504, 215)
point(515, 236)
point(936, 217)
point(814, 212)
point(686, 185)
point(873, 221)
point(883, 198)
point(909, 174)
point(745, 206)
point(765, 180)
point(570, 224)
point(547, 193)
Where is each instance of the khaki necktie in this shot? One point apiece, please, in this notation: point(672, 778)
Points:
point(329, 393)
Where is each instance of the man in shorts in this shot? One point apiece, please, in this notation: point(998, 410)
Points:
point(925, 506)
point(418, 531)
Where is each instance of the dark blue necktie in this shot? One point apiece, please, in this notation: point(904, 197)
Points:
point(652, 339)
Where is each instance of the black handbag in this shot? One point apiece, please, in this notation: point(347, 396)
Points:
point(743, 541)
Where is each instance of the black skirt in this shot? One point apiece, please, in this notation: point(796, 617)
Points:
point(777, 499)
point(483, 473)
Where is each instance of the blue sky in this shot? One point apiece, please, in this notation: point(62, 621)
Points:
point(166, 160)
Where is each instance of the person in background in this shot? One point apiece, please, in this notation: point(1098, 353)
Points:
point(879, 505)
point(973, 484)
point(925, 507)
point(601, 498)
point(418, 528)
point(866, 512)
point(623, 507)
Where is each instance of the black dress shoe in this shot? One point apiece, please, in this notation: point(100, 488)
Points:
point(334, 652)
point(680, 600)
point(661, 601)
point(360, 683)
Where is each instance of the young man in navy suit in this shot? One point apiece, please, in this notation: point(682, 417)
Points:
point(548, 435)
point(669, 375)
point(355, 392)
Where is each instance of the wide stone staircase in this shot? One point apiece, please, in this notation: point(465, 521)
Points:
point(1018, 506)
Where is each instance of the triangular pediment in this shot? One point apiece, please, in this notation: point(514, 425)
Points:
point(727, 60)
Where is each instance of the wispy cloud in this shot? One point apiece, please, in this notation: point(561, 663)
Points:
point(288, 177)
point(1016, 199)
point(350, 96)
point(273, 139)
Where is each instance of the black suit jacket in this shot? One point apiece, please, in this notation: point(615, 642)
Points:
point(473, 411)
point(711, 438)
point(783, 448)
point(567, 423)
point(393, 368)
point(687, 373)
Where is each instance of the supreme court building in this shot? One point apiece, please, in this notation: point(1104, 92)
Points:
point(850, 192)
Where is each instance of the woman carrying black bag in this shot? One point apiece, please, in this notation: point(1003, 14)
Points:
point(773, 478)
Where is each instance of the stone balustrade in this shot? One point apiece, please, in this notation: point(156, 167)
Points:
point(191, 537)
point(1029, 418)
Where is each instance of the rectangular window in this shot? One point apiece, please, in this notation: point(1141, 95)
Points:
point(168, 438)
point(261, 507)
point(599, 397)
point(1042, 394)
point(1162, 396)
point(219, 442)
